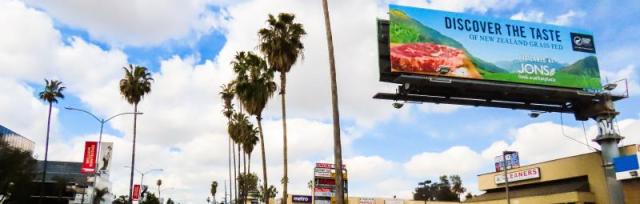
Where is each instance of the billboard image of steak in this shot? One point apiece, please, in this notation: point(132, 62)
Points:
point(429, 58)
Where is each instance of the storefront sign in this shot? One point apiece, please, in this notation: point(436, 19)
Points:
point(327, 166)
point(439, 43)
point(301, 199)
point(627, 167)
point(89, 161)
point(521, 175)
point(324, 192)
point(367, 201)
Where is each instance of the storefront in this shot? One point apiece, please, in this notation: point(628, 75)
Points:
point(578, 179)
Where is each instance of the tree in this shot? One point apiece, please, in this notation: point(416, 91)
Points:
point(214, 189)
point(135, 84)
point(468, 196)
point(248, 183)
point(169, 201)
point(337, 144)
point(123, 199)
point(227, 95)
point(16, 174)
point(150, 199)
point(51, 93)
point(444, 190)
point(98, 195)
point(271, 192)
point(159, 183)
point(281, 44)
point(254, 86)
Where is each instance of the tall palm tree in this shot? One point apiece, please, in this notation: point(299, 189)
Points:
point(281, 44)
point(249, 144)
point(254, 87)
point(135, 84)
point(227, 95)
point(51, 93)
point(337, 145)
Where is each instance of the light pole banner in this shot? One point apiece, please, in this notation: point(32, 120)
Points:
point(89, 161)
point(136, 192)
point(104, 163)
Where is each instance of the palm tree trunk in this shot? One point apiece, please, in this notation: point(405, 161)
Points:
point(230, 174)
point(285, 179)
point(265, 197)
point(46, 155)
point(337, 146)
point(239, 171)
point(235, 175)
point(249, 163)
point(133, 152)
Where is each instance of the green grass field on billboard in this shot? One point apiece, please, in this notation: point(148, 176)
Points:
point(430, 42)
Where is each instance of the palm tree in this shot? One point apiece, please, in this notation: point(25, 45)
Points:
point(227, 95)
point(51, 93)
point(281, 44)
point(214, 189)
point(254, 87)
point(337, 145)
point(248, 145)
point(98, 195)
point(135, 84)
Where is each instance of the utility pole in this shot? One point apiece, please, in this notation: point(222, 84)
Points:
point(604, 113)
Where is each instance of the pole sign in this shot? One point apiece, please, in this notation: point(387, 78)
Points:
point(136, 192)
point(526, 174)
point(89, 161)
point(513, 161)
point(438, 43)
point(321, 172)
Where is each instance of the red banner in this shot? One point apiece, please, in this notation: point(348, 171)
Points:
point(136, 192)
point(89, 162)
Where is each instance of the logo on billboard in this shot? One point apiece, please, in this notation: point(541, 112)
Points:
point(582, 43)
point(89, 161)
point(104, 163)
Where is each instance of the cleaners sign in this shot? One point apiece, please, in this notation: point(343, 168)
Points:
point(532, 173)
point(438, 43)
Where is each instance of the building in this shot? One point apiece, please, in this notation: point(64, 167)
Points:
point(577, 179)
point(307, 199)
point(16, 140)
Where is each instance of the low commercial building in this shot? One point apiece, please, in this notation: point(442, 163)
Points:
point(16, 140)
point(307, 199)
point(578, 179)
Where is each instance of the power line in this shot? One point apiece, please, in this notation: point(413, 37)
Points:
point(571, 138)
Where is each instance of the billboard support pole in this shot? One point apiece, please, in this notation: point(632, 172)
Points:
point(608, 139)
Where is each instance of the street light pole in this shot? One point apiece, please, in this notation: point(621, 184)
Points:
point(142, 173)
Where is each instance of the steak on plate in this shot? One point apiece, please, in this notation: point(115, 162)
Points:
point(426, 58)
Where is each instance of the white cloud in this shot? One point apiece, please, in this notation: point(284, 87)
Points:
point(538, 16)
point(459, 160)
point(139, 22)
point(627, 73)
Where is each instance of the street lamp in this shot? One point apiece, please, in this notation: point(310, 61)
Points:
point(142, 173)
point(506, 179)
point(424, 186)
point(102, 121)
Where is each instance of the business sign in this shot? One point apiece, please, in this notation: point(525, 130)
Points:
point(626, 167)
point(438, 43)
point(104, 162)
point(89, 161)
point(513, 161)
point(136, 192)
point(526, 174)
point(367, 201)
point(393, 201)
point(321, 172)
point(323, 192)
point(301, 199)
point(327, 166)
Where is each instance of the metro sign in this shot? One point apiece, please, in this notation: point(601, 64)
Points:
point(526, 174)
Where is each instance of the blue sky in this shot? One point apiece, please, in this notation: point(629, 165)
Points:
point(189, 49)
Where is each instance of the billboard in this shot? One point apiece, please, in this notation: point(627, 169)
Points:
point(89, 161)
point(104, 161)
point(438, 43)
